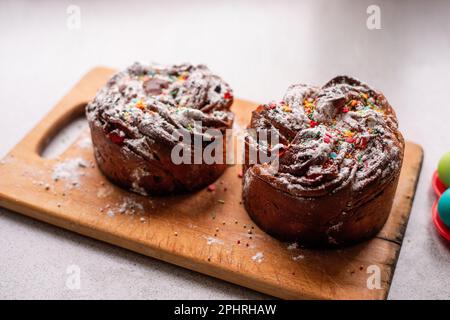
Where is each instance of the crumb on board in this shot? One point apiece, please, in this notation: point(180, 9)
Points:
point(258, 257)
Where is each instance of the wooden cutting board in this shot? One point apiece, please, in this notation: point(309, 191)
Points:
point(208, 232)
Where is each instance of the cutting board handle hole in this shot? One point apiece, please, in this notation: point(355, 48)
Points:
point(63, 133)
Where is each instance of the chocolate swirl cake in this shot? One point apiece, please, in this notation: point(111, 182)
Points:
point(340, 155)
point(137, 118)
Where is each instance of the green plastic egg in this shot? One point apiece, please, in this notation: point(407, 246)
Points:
point(444, 208)
point(444, 169)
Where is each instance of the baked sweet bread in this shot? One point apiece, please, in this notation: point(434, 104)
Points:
point(136, 120)
point(339, 160)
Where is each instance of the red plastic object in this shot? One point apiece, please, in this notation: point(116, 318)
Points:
point(443, 230)
point(437, 184)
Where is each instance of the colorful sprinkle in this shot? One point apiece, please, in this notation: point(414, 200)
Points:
point(227, 95)
point(115, 137)
point(350, 140)
point(361, 143)
point(140, 105)
point(349, 133)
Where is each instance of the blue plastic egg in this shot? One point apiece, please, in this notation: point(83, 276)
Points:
point(444, 208)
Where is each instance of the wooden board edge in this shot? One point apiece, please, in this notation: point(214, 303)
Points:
point(405, 225)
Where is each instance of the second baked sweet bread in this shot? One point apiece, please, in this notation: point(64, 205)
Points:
point(340, 155)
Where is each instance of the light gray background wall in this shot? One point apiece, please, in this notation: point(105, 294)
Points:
point(259, 47)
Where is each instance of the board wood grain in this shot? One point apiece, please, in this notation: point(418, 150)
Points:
point(209, 232)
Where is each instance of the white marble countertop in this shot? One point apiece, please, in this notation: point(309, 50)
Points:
point(260, 48)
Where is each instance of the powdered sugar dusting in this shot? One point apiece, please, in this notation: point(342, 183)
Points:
point(258, 257)
point(213, 240)
point(85, 143)
point(8, 159)
point(299, 257)
point(292, 246)
point(104, 192)
point(130, 206)
point(70, 170)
